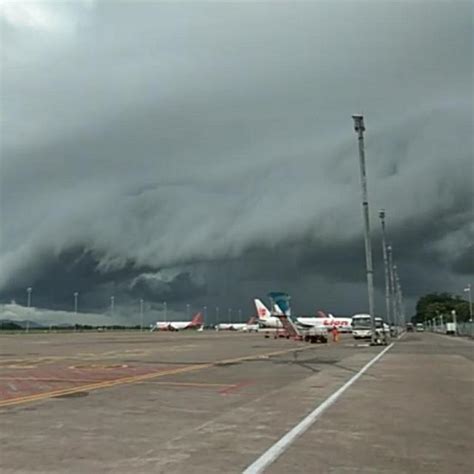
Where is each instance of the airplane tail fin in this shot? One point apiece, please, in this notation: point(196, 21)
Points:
point(262, 311)
point(322, 314)
point(198, 319)
point(252, 320)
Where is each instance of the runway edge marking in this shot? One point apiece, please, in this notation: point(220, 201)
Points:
point(277, 449)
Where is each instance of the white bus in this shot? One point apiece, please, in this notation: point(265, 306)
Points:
point(362, 328)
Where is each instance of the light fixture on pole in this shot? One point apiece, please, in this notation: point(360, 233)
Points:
point(359, 128)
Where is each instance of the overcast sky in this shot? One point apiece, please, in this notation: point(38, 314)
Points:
point(204, 153)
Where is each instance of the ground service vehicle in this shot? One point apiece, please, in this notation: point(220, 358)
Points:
point(315, 335)
point(420, 327)
point(451, 328)
point(362, 328)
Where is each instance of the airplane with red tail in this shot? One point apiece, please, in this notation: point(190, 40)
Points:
point(196, 323)
point(321, 320)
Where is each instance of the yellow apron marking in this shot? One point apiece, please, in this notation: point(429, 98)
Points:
point(139, 378)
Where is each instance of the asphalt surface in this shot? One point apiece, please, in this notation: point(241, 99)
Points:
point(214, 402)
point(413, 412)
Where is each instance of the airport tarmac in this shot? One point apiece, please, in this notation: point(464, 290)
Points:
point(215, 402)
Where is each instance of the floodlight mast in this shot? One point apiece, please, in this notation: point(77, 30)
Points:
point(393, 306)
point(385, 263)
point(359, 127)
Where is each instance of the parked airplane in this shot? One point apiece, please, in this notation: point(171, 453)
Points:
point(249, 326)
point(325, 320)
point(196, 323)
point(267, 319)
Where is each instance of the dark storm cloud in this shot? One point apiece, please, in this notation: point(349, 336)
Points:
point(206, 153)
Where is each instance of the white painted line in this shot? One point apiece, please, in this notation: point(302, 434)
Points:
point(269, 456)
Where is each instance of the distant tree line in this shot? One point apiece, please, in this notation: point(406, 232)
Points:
point(9, 326)
point(437, 304)
point(88, 327)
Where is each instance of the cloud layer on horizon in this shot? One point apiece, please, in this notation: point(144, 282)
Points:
point(206, 153)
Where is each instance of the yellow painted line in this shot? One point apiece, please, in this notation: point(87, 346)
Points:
point(58, 380)
point(139, 378)
point(19, 367)
point(35, 359)
point(98, 385)
point(195, 384)
point(46, 379)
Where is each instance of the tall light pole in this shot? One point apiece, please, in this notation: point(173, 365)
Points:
point(455, 321)
point(469, 292)
point(359, 127)
point(76, 294)
point(401, 310)
point(141, 314)
point(402, 304)
point(396, 286)
point(385, 263)
point(205, 314)
point(29, 290)
point(112, 305)
point(393, 300)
